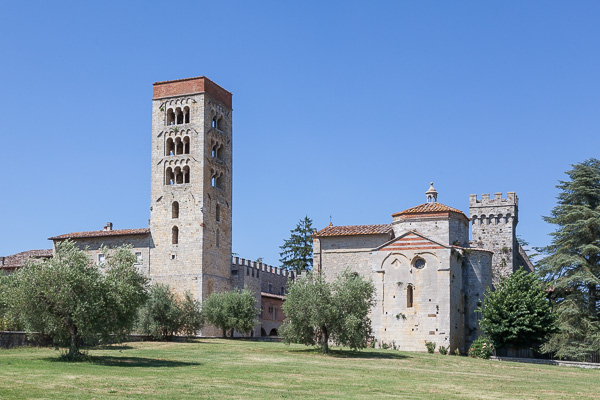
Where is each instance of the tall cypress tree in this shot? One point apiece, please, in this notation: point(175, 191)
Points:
point(297, 251)
point(572, 264)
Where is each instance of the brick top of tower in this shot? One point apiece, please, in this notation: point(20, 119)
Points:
point(200, 84)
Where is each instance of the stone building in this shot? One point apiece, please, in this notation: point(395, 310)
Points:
point(187, 244)
point(428, 276)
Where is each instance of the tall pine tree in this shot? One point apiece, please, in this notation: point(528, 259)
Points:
point(572, 264)
point(297, 251)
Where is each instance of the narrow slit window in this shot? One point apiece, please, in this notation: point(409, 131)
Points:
point(409, 297)
point(218, 212)
point(175, 235)
point(175, 210)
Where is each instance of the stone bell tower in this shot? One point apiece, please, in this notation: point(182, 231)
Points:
point(191, 182)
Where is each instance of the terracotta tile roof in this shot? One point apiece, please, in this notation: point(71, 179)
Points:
point(426, 208)
point(18, 260)
point(355, 230)
point(91, 234)
point(272, 295)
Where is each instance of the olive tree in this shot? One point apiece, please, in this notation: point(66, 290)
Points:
point(229, 311)
point(163, 316)
point(72, 299)
point(318, 311)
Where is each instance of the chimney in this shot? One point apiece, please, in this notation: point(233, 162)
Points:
point(108, 226)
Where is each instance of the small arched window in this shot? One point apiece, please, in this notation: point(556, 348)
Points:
point(214, 122)
point(178, 176)
point(178, 146)
point(179, 116)
point(186, 174)
point(218, 212)
point(175, 210)
point(175, 235)
point(186, 145)
point(186, 115)
point(170, 117)
point(409, 296)
point(169, 177)
point(170, 149)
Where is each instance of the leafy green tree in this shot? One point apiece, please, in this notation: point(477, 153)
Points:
point(229, 311)
point(191, 316)
point(163, 316)
point(572, 262)
point(72, 299)
point(517, 314)
point(318, 311)
point(297, 251)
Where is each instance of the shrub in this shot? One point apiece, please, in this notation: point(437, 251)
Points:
point(443, 350)
point(481, 348)
point(430, 347)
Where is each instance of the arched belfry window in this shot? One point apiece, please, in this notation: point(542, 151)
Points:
point(178, 146)
point(175, 210)
point(409, 296)
point(179, 116)
point(186, 115)
point(170, 117)
point(178, 176)
point(169, 177)
point(170, 148)
point(214, 122)
point(186, 145)
point(175, 235)
point(186, 174)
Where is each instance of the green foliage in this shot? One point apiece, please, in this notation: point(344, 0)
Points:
point(297, 251)
point(430, 347)
point(163, 316)
point(229, 311)
point(317, 311)
point(517, 314)
point(443, 350)
point(572, 262)
point(191, 316)
point(481, 348)
point(72, 300)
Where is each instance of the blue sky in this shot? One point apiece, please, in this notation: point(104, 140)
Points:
point(344, 108)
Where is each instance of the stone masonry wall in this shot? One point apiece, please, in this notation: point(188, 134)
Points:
point(140, 244)
point(258, 277)
point(494, 222)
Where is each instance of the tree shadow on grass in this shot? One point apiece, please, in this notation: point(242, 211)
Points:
point(374, 355)
point(111, 361)
point(113, 347)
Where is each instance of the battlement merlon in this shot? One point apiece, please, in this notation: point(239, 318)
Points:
point(237, 262)
point(511, 199)
point(190, 86)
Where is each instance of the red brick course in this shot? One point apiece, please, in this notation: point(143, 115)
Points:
point(196, 85)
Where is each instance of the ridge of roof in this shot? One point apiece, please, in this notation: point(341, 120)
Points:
point(433, 207)
point(91, 234)
point(347, 230)
point(19, 259)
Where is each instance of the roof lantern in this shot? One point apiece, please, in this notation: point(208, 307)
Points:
point(431, 194)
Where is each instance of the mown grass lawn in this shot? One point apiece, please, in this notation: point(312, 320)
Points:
point(221, 369)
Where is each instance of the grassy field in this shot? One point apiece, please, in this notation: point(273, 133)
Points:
point(219, 369)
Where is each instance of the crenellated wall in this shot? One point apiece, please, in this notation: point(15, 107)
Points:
point(494, 222)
